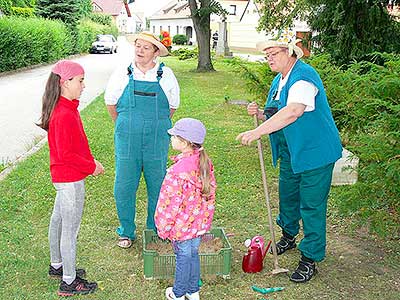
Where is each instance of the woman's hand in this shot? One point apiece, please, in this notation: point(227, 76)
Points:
point(248, 136)
point(252, 109)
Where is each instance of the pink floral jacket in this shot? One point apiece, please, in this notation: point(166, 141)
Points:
point(182, 213)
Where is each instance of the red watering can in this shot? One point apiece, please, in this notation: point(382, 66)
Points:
point(253, 259)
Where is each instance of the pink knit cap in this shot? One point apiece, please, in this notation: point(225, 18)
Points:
point(67, 69)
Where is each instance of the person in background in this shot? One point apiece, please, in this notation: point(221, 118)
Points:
point(186, 205)
point(70, 163)
point(215, 40)
point(141, 99)
point(305, 139)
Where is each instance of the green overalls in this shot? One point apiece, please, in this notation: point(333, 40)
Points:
point(141, 145)
point(302, 195)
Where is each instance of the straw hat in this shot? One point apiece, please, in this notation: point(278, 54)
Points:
point(283, 43)
point(151, 38)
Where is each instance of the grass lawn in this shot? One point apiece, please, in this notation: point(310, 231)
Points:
point(357, 266)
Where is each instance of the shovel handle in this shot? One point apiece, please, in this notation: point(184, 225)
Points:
point(266, 194)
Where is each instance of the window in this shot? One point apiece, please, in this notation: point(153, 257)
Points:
point(154, 29)
point(169, 28)
point(232, 10)
point(177, 29)
point(160, 29)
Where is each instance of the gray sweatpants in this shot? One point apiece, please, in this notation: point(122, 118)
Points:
point(64, 226)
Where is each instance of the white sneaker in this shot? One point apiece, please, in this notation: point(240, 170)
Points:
point(194, 296)
point(171, 296)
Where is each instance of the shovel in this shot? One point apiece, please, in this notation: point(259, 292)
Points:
point(277, 269)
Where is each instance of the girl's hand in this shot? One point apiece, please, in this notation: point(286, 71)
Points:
point(248, 136)
point(99, 168)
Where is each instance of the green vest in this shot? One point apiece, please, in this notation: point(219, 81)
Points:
point(313, 139)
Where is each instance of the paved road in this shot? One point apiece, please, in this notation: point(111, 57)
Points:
point(20, 100)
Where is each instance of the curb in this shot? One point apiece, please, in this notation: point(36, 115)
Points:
point(14, 164)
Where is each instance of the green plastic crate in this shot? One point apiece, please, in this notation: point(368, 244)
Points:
point(162, 266)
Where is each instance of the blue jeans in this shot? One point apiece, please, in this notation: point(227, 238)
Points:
point(187, 272)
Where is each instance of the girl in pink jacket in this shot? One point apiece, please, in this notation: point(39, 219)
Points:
point(186, 205)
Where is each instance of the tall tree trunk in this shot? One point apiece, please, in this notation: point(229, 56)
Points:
point(201, 24)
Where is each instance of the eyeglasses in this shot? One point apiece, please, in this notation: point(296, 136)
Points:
point(273, 55)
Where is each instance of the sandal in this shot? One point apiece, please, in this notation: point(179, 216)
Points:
point(124, 242)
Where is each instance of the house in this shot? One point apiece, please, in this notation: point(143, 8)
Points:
point(243, 34)
point(174, 18)
point(242, 21)
point(116, 9)
point(108, 7)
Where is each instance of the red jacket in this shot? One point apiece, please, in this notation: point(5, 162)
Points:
point(70, 156)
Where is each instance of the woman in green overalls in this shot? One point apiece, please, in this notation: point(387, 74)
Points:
point(141, 98)
point(305, 140)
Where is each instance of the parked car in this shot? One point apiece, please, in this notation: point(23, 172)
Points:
point(104, 43)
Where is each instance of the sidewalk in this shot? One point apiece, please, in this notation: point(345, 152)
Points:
point(21, 93)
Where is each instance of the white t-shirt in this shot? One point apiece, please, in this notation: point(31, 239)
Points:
point(301, 91)
point(119, 80)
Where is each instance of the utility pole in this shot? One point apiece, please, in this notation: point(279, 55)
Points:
point(128, 11)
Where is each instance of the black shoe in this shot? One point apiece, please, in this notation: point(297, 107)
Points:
point(285, 243)
point(78, 287)
point(58, 273)
point(305, 270)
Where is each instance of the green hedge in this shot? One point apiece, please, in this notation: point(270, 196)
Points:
point(101, 19)
point(87, 31)
point(30, 41)
point(22, 11)
point(180, 39)
point(5, 6)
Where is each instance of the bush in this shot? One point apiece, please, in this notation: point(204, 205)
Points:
point(186, 53)
point(87, 31)
point(5, 6)
point(101, 19)
point(30, 41)
point(180, 39)
point(22, 11)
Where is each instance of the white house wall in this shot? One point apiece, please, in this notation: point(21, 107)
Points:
point(242, 35)
point(173, 26)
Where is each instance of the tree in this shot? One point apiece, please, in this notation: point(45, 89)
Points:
point(201, 22)
point(85, 8)
point(5, 6)
point(346, 29)
point(64, 10)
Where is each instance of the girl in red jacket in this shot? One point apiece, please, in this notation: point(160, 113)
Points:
point(70, 163)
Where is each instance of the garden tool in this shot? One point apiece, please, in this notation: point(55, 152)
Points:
point(277, 269)
point(267, 290)
point(253, 260)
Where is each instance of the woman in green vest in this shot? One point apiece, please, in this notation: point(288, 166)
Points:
point(305, 140)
